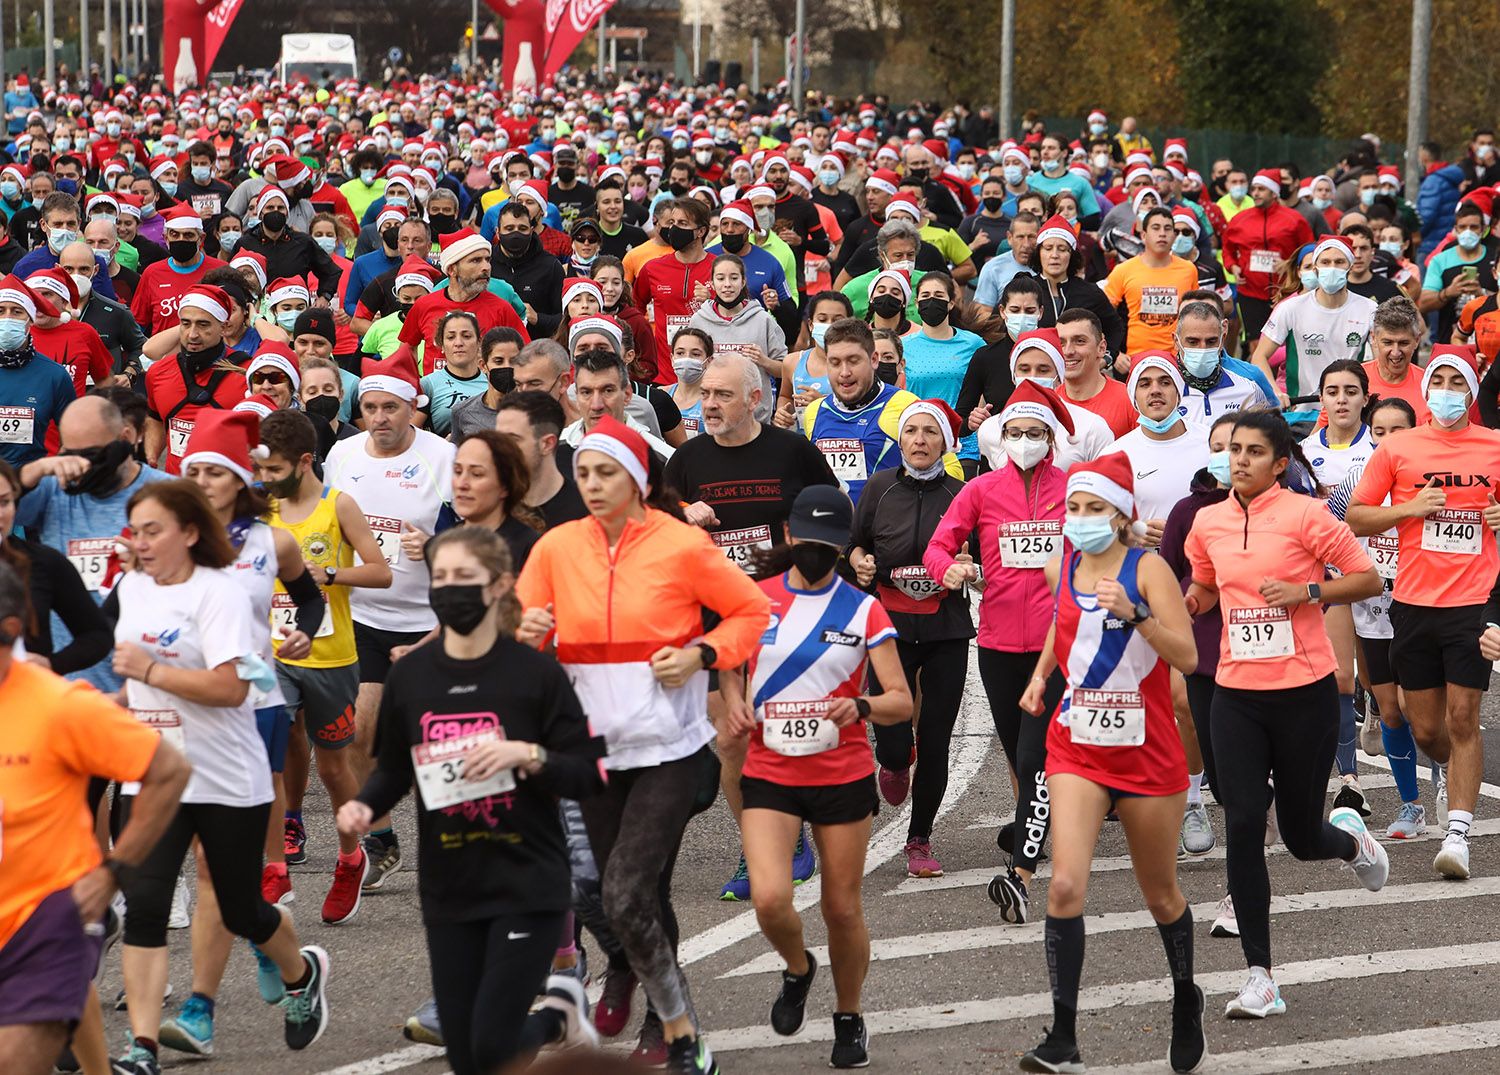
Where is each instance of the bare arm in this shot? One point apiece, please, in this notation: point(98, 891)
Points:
point(374, 573)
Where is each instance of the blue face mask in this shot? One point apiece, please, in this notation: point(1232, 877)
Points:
point(1015, 324)
point(1155, 426)
point(1367, 196)
point(1013, 174)
point(68, 186)
point(202, 173)
point(1467, 240)
point(287, 319)
point(60, 238)
point(328, 243)
point(1447, 407)
point(12, 333)
point(367, 176)
point(1183, 245)
point(817, 331)
point(1321, 203)
point(1309, 278)
point(828, 177)
point(229, 240)
point(1089, 533)
point(10, 190)
point(1045, 382)
point(1332, 280)
point(1200, 361)
point(1238, 191)
point(1393, 249)
point(169, 188)
point(1218, 467)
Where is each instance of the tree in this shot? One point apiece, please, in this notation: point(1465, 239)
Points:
point(1252, 66)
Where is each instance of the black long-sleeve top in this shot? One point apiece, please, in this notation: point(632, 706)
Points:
point(56, 587)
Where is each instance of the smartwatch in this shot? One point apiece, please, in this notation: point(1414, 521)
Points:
point(862, 707)
point(709, 654)
point(1142, 614)
point(1314, 593)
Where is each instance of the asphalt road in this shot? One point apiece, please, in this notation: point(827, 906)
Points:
point(1410, 974)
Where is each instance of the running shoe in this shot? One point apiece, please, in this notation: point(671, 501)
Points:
point(306, 1009)
point(138, 1060)
point(382, 862)
point(342, 902)
point(181, 916)
point(1452, 861)
point(804, 861)
point(423, 1026)
point(789, 1011)
point(737, 888)
point(1259, 999)
point(294, 842)
point(565, 996)
point(851, 1041)
point(268, 977)
point(1411, 822)
point(1197, 833)
point(1370, 862)
point(1225, 923)
point(192, 1031)
point(579, 971)
point(1055, 1054)
point(1440, 793)
point(691, 1056)
point(1352, 797)
point(1370, 739)
point(894, 784)
point(276, 885)
point(919, 860)
point(651, 1048)
point(612, 1013)
point(1008, 892)
point(1189, 1045)
point(1273, 830)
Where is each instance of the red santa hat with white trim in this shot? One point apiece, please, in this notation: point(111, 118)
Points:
point(182, 216)
point(250, 259)
point(600, 323)
point(1458, 357)
point(581, 285)
point(278, 357)
point(287, 287)
point(208, 298)
point(56, 282)
point(948, 421)
point(268, 196)
point(622, 444)
point(1045, 340)
point(415, 270)
point(456, 246)
point(1161, 360)
point(1270, 178)
point(900, 277)
point(884, 180)
point(396, 375)
point(1057, 227)
point(228, 439)
point(1031, 400)
point(1109, 478)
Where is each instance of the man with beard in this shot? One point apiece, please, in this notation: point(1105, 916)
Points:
point(797, 220)
point(465, 257)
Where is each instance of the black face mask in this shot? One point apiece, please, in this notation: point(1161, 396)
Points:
point(733, 244)
point(275, 220)
point(103, 475)
point(814, 560)
point(734, 300)
point(503, 379)
point(183, 250)
point(198, 361)
point(677, 190)
point(402, 309)
point(678, 238)
point(389, 237)
point(887, 305)
point(994, 204)
point(567, 175)
point(514, 243)
point(1286, 191)
point(887, 372)
point(443, 223)
point(933, 311)
point(459, 608)
point(323, 408)
point(919, 174)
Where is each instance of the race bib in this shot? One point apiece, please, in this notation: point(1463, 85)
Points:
point(1263, 261)
point(178, 432)
point(1453, 530)
point(676, 322)
point(797, 729)
point(167, 722)
point(846, 458)
point(916, 583)
point(1030, 544)
point(440, 772)
point(387, 533)
point(1383, 553)
point(1107, 718)
point(90, 558)
point(690, 425)
point(1258, 634)
point(17, 425)
point(1159, 301)
point(284, 616)
point(740, 546)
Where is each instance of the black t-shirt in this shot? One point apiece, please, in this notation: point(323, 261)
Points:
point(1376, 288)
point(622, 242)
point(503, 853)
point(519, 538)
point(566, 504)
point(571, 204)
point(841, 204)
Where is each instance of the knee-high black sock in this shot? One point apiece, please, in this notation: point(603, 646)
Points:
point(1064, 942)
point(1177, 939)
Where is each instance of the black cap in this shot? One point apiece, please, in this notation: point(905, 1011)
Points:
point(585, 222)
point(822, 513)
point(315, 321)
point(563, 151)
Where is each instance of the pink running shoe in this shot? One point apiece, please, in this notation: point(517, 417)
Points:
point(919, 860)
point(894, 784)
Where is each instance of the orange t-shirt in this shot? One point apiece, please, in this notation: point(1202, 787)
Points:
point(1289, 537)
point(55, 735)
point(1449, 559)
point(1112, 403)
point(1409, 389)
point(1152, 297)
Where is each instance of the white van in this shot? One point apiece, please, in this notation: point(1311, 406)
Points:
point(316, 57)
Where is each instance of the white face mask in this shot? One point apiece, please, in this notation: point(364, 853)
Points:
point(1026, 453)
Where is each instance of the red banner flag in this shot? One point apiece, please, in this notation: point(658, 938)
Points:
point(568, 22)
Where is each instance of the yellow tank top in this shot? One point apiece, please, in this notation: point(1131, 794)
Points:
point(322, 543)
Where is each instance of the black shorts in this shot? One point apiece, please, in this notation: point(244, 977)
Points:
point(1433, 647)
point(374, 645)
point(1253, 316)
point(1375, 659)
point(817, 804)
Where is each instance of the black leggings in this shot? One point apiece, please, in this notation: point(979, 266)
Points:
point(485, 976)
point(1292, 733)
point(943, 666)
point(1005, 677)
point(232, 839)
point(1200, 696)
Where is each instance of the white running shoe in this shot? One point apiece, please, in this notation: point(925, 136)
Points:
point(1225, 923)
point(1197, 836)
point(1370, 739)
point(1258, 999)
point(182, 904)
point(1370, 862)
point(1452, 861)
point(1440, 793)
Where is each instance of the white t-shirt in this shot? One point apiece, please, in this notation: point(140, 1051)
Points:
point(1316, 337)
point(411, 488)
point(1163, 469)
point(198, 624)
point(255, 569)
point(1331, 465)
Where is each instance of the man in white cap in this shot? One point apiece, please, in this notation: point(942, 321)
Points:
point(1165, 450)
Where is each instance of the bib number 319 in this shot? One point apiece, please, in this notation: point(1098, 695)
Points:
point(1259, 634)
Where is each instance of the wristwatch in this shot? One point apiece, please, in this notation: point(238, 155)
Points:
point(332, 573)
point(710, 655)
point(539, 754)
point(1314, 593)
point(1142, 614)
point(862, 707)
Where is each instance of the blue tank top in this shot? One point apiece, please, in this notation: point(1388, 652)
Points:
point(802, 379)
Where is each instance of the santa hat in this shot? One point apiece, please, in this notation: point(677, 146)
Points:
point(1031, 400)
point(1138, 171)
point(1140, 196)
point(948, 421)
point(834, 162)
point(18, 172)
point(1109, 478)
point(739, 210)
point(1389, 173)
point(415, 270)
point(287, 287)
point(1057, 227)
point(1017, 154)
point(1334, 242)
point(1175, 147)
point(901, 278)
point(455, 246)
point(1182, 214)
point(212, 300)
point(290, 172)
point(536, 191)
point(883, 179)
point(57, 282)
point(1097, 116)
point(1045, 340)
point(267, 196)
point(228, 439)
point(601, 323)
point(1161, 360)
point(774, 157)
point(182, 217)
point(255, 262)
point(260, 405)
point(276, 356)
point(580, 285)
point(1459, 358)
point(389, 214)
point(161, 165)
point(622, 444)
point(1270, 178)
point(905, 204)
point(130, 204)
point(100, 200)
point(396, 375)
point(14, 289)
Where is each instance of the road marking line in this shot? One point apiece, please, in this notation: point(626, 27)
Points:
point(1424, 772)
point(1008, 936)
point(1124, 994)
point(395, 1061)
